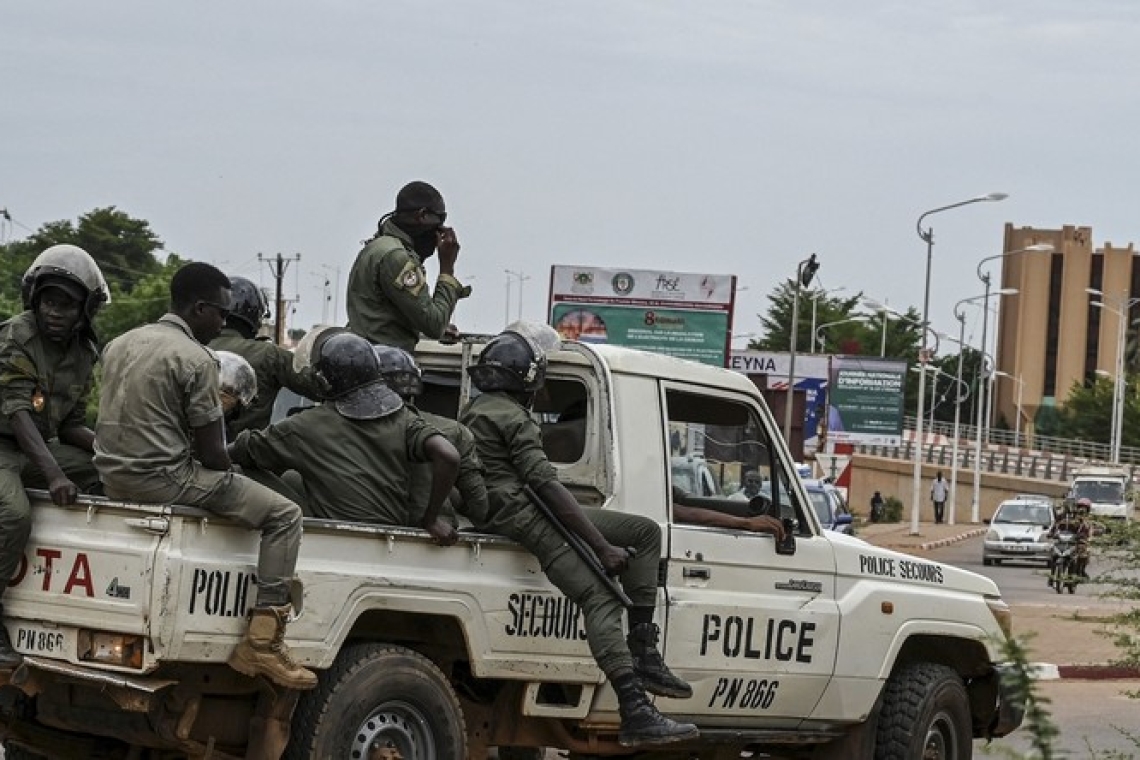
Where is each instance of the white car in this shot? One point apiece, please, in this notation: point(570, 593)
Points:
point(1019, 531)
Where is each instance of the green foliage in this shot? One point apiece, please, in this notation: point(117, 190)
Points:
point(892, 509)
point(1019, 678)
point(124, 248)
point(146, 302)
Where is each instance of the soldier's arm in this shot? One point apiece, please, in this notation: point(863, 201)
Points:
point(63, 491)
point(304, 382)
point(444, 466)
point(403, 283)
point(73, 429)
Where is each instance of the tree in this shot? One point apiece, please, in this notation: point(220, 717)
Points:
point(146, 302)
point(1087, 413)
point(124, 248)
point(778, 320)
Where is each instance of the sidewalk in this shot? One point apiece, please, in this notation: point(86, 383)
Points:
point(1073, 633)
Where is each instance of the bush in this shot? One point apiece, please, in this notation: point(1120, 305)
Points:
point(892, 510)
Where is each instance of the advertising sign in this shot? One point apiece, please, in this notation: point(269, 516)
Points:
point(680, 314)
point(866, 404)
point(811, 377)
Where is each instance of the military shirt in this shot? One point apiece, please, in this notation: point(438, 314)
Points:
point(469, 481)
point(353, 469)
point(273, 366)
point(51, 380)
point(388, 299)
point(159, 384)
point(509, 443)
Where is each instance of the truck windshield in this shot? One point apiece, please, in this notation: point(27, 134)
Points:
point(1099, 491)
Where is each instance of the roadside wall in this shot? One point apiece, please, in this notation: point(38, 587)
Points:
point(894, 477)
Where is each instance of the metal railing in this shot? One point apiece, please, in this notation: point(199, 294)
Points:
point(1090, 451)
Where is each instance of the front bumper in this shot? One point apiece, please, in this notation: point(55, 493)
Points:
point(1029, 551)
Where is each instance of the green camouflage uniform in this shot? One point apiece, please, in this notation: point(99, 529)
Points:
point(51, 381)
point(273, 366)
point(509, 442)
point(159, 383)
point(352, 469)
point(388, 299)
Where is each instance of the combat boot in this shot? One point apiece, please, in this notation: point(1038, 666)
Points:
point(9, 657)
point(640, 722)
point(650, 666)
point(263, 651)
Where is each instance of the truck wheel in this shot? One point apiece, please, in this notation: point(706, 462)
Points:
point(379, 697)
point(926, 714)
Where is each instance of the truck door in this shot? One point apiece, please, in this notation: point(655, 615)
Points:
point(755, 632)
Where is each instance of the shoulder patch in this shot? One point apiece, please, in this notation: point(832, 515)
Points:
point(411, 278)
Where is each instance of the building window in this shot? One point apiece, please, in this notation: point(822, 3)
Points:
point(1053, 329)
point(1092, 329)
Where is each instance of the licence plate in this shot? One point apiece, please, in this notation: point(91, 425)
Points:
point(1017, 548)
point(38, 639)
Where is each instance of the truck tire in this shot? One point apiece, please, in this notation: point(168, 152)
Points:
point(378, 696)
point(926, 714)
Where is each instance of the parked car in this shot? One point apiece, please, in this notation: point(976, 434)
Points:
point(692, 475)
point(1019, 530)
point(830, 506)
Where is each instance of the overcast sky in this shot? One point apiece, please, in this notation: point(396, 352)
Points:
point(726, 137)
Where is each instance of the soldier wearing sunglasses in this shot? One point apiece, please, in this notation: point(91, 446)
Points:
point(388, 298)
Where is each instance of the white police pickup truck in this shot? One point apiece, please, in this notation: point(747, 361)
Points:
point(125, 613)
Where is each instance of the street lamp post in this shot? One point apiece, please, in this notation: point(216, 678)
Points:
point(927, 236)
point(819, 330)
point(982, 417)
point(1020, 388)
point(805, 271)
point(1120, 307)
point(815, 296)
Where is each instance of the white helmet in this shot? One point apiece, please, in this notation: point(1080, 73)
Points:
point(71, 268)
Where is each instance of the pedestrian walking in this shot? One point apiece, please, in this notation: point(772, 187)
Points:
point(939, 490)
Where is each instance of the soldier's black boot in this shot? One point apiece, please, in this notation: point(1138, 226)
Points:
point(640, 722)
point(650, 666)
point(9, 657)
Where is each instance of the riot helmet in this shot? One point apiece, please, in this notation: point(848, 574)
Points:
point(515, 359)
point(1084, 506)
point(237, 382)
point(399, 370)
point(71, 269)
point(250, 305)
point(349, 367)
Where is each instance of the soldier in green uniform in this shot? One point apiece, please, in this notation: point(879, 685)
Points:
point(388, 297)
point(47, 355)
point(353, 452)
point(469, 498)
point(272, 364)
point(511, 368)
point(160, 439)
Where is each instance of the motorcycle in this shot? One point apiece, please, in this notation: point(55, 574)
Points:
point(1063, 564)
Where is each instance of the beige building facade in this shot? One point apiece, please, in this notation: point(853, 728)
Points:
point(1049, 335)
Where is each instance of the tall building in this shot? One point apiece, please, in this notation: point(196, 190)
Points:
point(1049, 335)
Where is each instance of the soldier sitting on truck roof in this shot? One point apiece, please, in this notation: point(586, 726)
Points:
point(511, 368)
point(353, 452)
point(469, 498)
point(160, 439)
point(47, 355)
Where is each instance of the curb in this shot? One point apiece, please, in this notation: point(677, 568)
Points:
point(1044, 671)
point(952, 539)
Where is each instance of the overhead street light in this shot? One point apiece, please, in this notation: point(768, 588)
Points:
point(805, 272)
point(927, 236)
point(819, 330)
point(1120, 306)
point(982, 417)
point(815, 296)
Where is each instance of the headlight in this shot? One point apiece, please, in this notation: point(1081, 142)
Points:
point(121, 649)
point(993, 535)
point(1044, 539)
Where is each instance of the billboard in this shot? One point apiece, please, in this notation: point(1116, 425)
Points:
point(812, 373)
point(866, 404)
point(676, 313)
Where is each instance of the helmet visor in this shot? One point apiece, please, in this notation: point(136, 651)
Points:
point(541, 337)
point(307, 352)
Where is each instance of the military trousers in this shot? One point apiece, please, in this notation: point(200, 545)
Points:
point(601, 609)
point(237, 498)
point(17, 473)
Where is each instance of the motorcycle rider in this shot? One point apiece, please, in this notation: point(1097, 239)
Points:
point(1075, 520)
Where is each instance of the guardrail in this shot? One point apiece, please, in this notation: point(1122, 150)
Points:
point(1004, 461)
point(1090, 451)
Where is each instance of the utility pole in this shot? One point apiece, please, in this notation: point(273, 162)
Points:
point(278, 265)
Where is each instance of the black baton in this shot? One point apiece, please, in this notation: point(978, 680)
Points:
point(580, 547)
